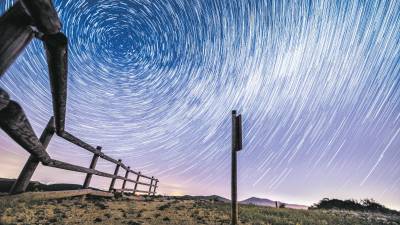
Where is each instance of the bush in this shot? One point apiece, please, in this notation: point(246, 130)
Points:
point(351, 204)
point(163, 207)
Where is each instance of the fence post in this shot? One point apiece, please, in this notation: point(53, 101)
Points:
point(92, 166)
point(26, 174)
point(155, 187)
point(151, 185)
point(137, 180)
point(116, 174)
point(126, 177)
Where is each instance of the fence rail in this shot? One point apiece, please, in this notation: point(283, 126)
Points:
point(23, 180)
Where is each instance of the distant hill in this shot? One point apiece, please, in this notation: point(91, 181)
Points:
point(207, 197)
point(6, 184)
point(249, 201)
point(258, 201)
point(270, 203)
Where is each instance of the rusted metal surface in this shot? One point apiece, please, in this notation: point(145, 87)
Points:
point(26, 174)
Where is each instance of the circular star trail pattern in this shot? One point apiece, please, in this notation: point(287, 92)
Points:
point(154, 82)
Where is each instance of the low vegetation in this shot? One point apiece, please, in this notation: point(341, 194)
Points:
point(366, 205)
point(174, 210)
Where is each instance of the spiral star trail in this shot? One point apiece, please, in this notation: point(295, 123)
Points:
point(154, 82)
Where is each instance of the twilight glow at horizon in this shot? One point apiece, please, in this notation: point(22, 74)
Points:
point(154, 83)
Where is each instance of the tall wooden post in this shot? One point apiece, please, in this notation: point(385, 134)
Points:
point(92, 166)
point(126, 177)
point(26, 174)
point(151, 185)
point(136, 184)
point(115, 173)
point(155, 187)
point(236, 146)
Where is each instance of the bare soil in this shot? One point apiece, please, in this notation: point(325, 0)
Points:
point(171, 210)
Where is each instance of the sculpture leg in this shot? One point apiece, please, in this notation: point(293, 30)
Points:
point(56, 52)
point(26, 174)
point(15, 35)
point(15, 123)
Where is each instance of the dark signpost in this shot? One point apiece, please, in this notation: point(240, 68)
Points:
point(236, 146)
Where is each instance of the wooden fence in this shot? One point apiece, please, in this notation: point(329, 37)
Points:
point(14, 37)
point(20, 185)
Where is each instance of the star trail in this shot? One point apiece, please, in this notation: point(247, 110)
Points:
point(154, 83)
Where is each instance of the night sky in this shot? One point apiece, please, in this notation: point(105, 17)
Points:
point(154, 81)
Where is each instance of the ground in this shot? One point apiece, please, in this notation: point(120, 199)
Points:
point(171, 210)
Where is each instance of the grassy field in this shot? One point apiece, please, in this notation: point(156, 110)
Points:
point(170, 210)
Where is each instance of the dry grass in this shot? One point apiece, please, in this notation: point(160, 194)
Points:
point(167, 210)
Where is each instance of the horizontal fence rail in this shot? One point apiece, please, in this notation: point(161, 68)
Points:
point(23, 180)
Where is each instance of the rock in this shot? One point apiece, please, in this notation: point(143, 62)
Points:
point(101, 205)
